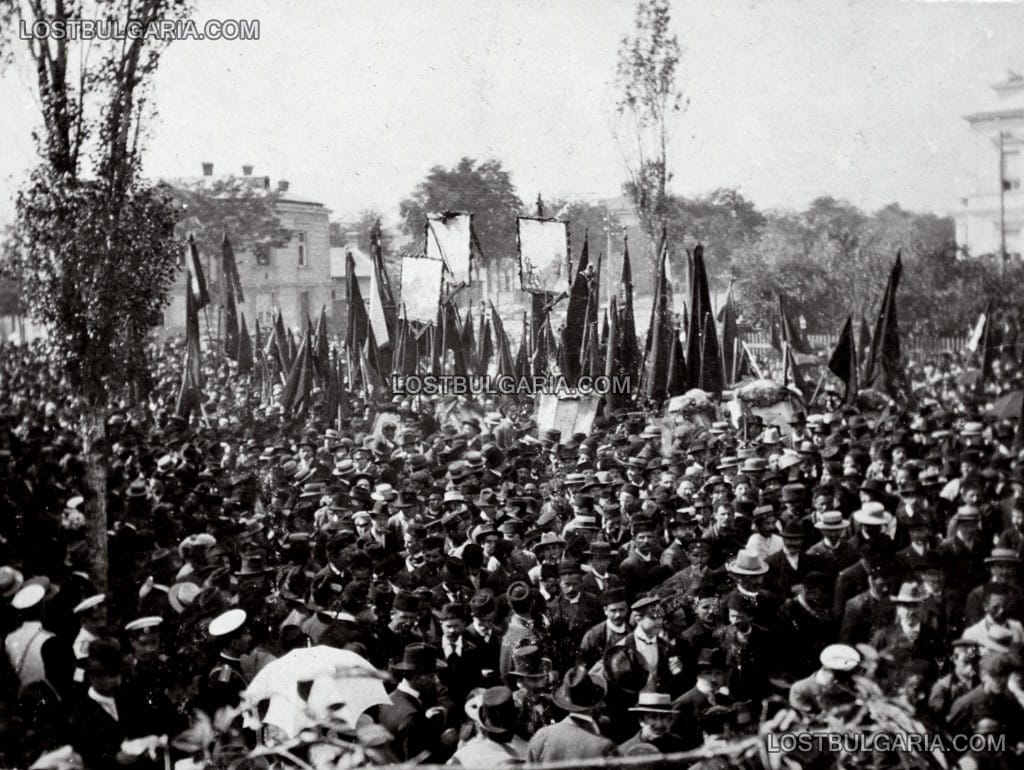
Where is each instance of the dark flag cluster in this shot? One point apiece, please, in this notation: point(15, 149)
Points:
point(376, 344)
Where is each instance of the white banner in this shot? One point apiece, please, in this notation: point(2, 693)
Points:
point(421, 287)
point(448, 239)
point(544, 254)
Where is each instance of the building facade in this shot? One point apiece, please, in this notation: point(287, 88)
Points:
point(990, 219)
point(294, 277)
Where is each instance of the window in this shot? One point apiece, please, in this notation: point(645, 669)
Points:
point(302, 248)
point(262, 255)
point(1011, 169)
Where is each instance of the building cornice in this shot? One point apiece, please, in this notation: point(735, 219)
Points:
point(995, 115)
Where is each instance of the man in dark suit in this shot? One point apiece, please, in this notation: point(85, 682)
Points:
point(482, 631)
point(662, 658)
point(787, 567)
point(415, 716)
point(613, 629)
point(804, 628)
point(462, 657)
point(868, 611)
point(599, 578)
point(109, 713)
point(571, 614)
point(908, 638)
point(707, 692)
point(854, 579)
point(641, 570)
point(833, 553)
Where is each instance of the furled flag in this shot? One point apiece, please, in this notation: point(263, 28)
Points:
point(358, 326)
point(702, 354)
point(196, 276)
point(503, 350)
point(730, 338)
point(322, 349)
point(190, 396)
point(576, 318)
point(658, 348)
point(843, 363)
point(297, 390)
point(627, 355)
point(884, 368)
point(245, 350)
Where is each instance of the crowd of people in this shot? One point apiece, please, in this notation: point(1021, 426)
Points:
point(534, 597)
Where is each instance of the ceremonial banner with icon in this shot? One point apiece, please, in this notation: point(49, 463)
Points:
point(568, 414)
point(543, 254)
point(449, 239)
point(421, 287)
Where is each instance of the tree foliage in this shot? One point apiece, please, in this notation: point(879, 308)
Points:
point(647, 99)
point(486, 189)
point(238, 206)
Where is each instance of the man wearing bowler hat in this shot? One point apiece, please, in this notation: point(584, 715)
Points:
point(577, 737)
point(417, 713)
point(709, 690)
point(610, 631)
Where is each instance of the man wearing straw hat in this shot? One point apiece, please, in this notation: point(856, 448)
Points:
point(656, 715)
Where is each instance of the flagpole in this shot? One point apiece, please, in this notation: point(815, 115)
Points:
point(817, 387)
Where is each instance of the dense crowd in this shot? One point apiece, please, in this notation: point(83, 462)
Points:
point(535, 597)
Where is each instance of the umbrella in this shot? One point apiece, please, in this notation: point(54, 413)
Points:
point(306, 685)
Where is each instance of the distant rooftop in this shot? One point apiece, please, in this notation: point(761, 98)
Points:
point(259, 184)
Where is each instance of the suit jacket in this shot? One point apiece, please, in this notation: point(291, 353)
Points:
point(928, 646)
point(405, 718)
point(782, 576)
point(97, 736)
point(569, 739)
point(800, 638)
point(590, 583)
point(689, 706)
point(674, 556)
point(832, 561)
point(662, 679)
point(975, 607)
point(850, 582)
point(596, 642)
point(863, 616)
point(489, 649)
point(463, 672)
point(641, 576)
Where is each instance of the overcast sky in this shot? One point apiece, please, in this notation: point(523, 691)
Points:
point(354, 102)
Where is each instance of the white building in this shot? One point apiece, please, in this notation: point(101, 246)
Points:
point(990, 218)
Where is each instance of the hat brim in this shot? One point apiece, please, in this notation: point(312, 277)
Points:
point(410, 668)
point(742, 571)
point(563, 702)
point(653, 709)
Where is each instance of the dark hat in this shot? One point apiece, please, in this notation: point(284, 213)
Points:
point(613, 595)
point(711, 658)
point(453, 611)
point(528, 662)
point(253, 564)
point(420, 658)
point(482, 604)
point(569, 567)
point(497, 711)
point(518, 592)
point(580, 692)
point(406, 601)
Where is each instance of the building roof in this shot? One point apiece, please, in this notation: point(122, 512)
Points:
point(364, 266)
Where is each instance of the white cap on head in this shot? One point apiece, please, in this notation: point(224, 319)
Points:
point(227, 622)
point(87, 604)
point(29, 596)
point(840, 657)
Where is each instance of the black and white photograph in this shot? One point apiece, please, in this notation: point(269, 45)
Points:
point(590, 385)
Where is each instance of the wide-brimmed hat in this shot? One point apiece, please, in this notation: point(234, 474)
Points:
point(11, 581)
point(871, 514)
point(253, 565)
point(747, 563)
point(653, 702)
point(580, 692)
point(181, 595)
point(1003, 556)
point(420, 658)
point(910, 593)
point(497, 710)
point(830, 521)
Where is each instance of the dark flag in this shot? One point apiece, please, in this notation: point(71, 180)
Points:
point(611, 336)
point(451, 338)
point(658, 348)
point(230, 326)
point(245, 350)
point(576, 318)
point(281, 343)
point(730, 338)
point(792, 334)
point(776, 340)
point(677, 374)
point(322, 349)
point(702, 355)
point(373, 383)
point(468, 342)
point(357, 327)
point(485, 347)
point(296, 394)
point(884, 368)
point(791, 373)
point(503, 351)
point(196, 276)
point(190, 396)
point(843, 363)
point(524, 356)
point(232, 280)
point(863, 341)
point(627, 356)
point(711, 377)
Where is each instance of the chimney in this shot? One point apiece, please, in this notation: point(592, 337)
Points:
point(282, 185)
point(247, 170)
point(207, 169)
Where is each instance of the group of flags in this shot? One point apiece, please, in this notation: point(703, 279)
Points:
point(379, 343)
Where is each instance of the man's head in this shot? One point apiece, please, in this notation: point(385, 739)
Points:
point(650, 616)
point(996, 599)
point(616, 610)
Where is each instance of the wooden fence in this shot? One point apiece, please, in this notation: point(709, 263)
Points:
point(918, 345)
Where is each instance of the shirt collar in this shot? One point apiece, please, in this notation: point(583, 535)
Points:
point(408, 689)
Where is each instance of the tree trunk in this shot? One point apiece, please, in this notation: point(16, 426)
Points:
point(93, 434)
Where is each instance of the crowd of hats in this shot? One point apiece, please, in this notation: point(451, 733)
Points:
point(249, 524)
